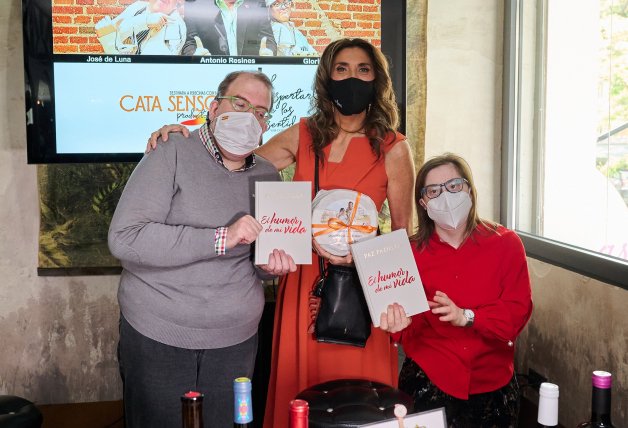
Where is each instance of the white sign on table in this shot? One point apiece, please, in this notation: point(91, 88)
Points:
point(429, 419)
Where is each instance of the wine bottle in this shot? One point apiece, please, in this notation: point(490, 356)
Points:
point(600, 401)
point(299, 413)
point(192, 410)
point(242, 409)
point(548, 405)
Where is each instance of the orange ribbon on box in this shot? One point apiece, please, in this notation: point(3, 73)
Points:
point(334, 224)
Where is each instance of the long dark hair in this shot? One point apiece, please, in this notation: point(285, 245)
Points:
point(426, 224)
point(382, 118)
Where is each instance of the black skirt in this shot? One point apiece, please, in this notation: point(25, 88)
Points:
point(496, 409)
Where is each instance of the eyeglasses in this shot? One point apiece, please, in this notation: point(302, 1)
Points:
point(454, 185)
point(239, 104)
point(282, 6)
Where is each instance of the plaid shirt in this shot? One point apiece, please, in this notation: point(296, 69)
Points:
point(220, 245)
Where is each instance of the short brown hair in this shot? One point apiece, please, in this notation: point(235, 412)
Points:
point(223, 87)
point(426, 224)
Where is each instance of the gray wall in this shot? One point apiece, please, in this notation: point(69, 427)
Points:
point(578, 325)
point(59, 334)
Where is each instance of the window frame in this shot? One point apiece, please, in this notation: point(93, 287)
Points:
point(589, 263)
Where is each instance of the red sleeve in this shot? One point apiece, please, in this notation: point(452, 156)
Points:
point(405, 336)
point(505, 317)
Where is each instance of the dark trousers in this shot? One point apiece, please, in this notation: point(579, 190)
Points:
point(497, 409)
point(155, 375)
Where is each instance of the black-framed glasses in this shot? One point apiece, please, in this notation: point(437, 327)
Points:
point(282, 6)
point(243, 105)
point(454, 185)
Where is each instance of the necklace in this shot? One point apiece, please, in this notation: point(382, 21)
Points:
point(349, 131)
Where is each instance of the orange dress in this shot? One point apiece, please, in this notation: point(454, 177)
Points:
point(298, 360)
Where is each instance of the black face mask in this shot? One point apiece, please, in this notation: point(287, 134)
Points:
point(352, 95)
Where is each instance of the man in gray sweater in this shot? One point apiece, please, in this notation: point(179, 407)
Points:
point(190, 296)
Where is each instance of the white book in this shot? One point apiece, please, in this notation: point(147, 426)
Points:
point(284, 210)
point(388, 274)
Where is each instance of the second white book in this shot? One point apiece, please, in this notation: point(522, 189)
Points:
point(388, 274)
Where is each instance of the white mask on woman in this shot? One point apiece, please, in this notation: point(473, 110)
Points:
point(449, 210)
point(237, 132)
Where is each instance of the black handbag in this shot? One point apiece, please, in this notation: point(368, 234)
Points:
point(343, 317)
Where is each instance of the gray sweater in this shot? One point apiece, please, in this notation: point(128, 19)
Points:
point(174, 288)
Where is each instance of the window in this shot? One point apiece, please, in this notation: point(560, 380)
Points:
point(565, 157)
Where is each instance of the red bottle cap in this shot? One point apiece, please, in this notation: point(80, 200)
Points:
point(299, 406)
point(192, 395)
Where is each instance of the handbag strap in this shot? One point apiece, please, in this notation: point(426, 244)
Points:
point(321, 263)
point(316, 188)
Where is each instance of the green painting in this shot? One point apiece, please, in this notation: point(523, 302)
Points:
point(76, 205)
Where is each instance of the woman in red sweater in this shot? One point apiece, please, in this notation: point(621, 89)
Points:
point(460, 353)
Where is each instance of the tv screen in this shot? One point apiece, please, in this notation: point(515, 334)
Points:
point(102, 74)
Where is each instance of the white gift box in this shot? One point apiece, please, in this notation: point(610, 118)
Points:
point(341, 217)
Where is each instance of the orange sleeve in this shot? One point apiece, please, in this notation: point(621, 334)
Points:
point(391, 141)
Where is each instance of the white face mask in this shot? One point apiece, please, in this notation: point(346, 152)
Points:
point(449, 210)
point(237, 132)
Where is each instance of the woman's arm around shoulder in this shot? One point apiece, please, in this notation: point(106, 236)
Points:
point(281, 150)
point(163, 133)
point(400, 192)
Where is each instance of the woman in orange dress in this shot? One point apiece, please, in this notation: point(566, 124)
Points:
point(353, 129)
point(353, 101)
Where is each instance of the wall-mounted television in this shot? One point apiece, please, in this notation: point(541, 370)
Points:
point(102, 74)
